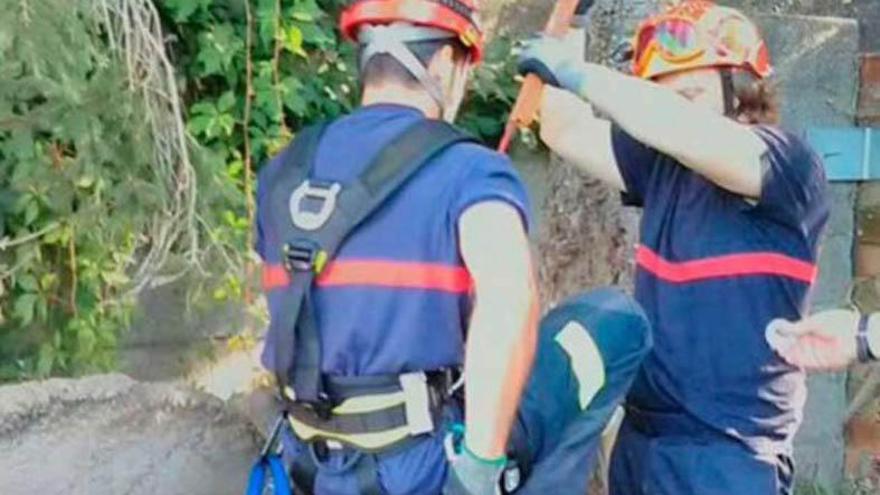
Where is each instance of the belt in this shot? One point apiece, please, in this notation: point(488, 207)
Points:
point(374, 413)
point(673, 424)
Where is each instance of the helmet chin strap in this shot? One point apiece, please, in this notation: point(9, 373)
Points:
point(727, 92)
point(391, 40)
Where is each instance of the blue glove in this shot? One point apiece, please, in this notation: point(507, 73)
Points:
point(583, 7)
point(554, 62)
point(469, 474)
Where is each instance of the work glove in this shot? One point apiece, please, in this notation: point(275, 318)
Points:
point(826, 341)
point(583, 7)
point(468, 473)
point(581, 13)
point(555, 61)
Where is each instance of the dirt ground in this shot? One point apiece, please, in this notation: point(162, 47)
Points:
point(108, 435)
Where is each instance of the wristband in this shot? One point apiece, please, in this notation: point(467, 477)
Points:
point(499, 462)
point(863, 347)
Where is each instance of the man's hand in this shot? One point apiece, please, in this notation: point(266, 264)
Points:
point(825, 341)
point(469, 474)
point(556, 61)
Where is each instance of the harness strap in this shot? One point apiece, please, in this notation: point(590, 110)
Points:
point(368, 475)
point(352, 424)
point(282, 336)
point(353, 204)
point(381, 416)
point(727, 91)
point(269, 462)
point(303, 472)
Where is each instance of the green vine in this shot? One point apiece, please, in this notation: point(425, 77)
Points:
point(81, 191)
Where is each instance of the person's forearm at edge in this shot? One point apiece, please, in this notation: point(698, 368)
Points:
point(724, 151)
point(502, 334)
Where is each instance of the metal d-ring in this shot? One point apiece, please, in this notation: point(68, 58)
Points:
point(313, 220)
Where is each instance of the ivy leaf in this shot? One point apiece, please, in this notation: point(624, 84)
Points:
point(31, 212)
point(218, 49)
point(211, 61)
point(20, 144)
point(85, 182)
point(203, 108)
point(226, 123)
point(199, 125)
point(292, 96)
point(85, 339)
point(307, 10)
point(181, 9)
point(48, 281)
point(45, 360)
point(226, 102)
point(219, 294)
point(293, 41)
point(23, 308)
point(28, 283)
point(313, 34)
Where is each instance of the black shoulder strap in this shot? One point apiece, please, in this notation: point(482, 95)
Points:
point(392, 168)
point(295, 166)
point(407, 154)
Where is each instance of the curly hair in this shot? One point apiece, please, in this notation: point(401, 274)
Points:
point(756, 100)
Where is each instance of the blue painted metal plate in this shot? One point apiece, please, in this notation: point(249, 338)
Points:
point(850, 153)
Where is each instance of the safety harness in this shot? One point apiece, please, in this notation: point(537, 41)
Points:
point(366, 414)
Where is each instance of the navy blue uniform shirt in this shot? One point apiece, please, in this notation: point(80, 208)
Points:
point(712, 271)
point(397, 296)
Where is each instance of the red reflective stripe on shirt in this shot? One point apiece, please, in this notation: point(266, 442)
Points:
point(732, 265)
point(275, 277)
point(393, 274)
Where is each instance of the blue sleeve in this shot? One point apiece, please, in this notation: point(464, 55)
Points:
point(636, 163)
point(794, 190)
point(492, 177)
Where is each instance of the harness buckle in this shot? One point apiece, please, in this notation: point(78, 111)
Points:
point(270, 447)
point(303, 255)
point(417, 402)
point(511, 477)
point(324, 192)
point(323, 407)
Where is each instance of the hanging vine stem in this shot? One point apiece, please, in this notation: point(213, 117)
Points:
point(135, 37)
point(71, 252)
point(6, 243)
point(248, 172)
point(276, 62)
point(25, 12)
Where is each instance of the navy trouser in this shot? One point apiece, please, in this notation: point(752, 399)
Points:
point(556, 434)
point(650, 461)
point(563, 437)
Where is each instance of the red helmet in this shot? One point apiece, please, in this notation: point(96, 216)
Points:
point(456, 16)
point(695, 34)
